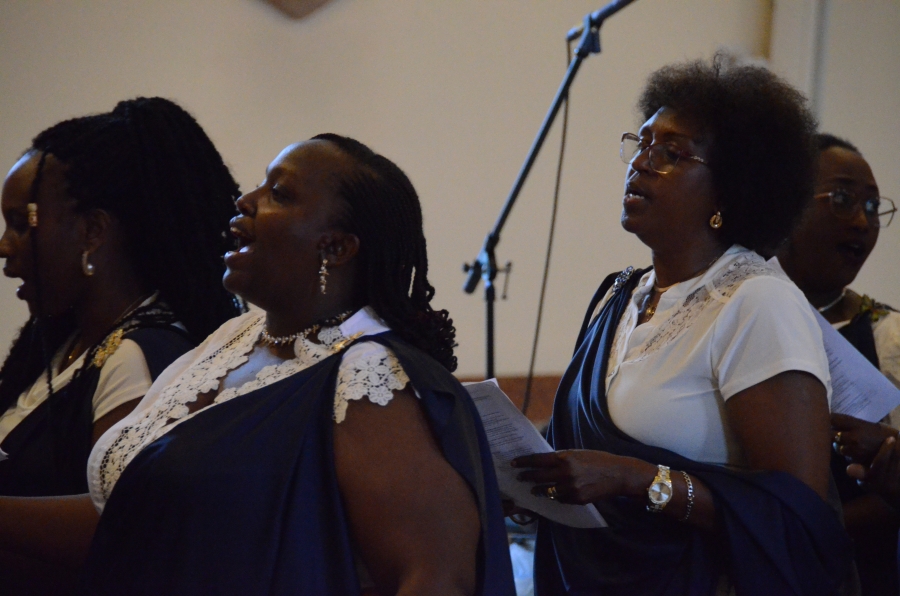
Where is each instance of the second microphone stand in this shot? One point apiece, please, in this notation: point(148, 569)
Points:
point(485, 264)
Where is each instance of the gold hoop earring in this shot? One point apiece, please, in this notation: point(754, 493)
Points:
point(86, 267)
point(715, 222)
point(323, 276)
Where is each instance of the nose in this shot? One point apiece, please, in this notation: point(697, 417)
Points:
point(246, 203)
point(6, 245)
point(860, 220)
point(641, 161)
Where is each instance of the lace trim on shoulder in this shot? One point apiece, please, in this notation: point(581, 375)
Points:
point(721, 288)
point(376, 376)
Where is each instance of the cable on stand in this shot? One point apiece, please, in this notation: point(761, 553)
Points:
point(484, 266)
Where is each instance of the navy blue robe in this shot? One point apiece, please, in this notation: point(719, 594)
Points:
point(776, 536)
point(243, 498)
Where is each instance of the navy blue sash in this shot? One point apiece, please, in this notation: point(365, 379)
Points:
point(49, 449)
point(776, 536)
point(243, 498)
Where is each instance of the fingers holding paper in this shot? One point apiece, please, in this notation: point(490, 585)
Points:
point(581, 476)
point(883, 475)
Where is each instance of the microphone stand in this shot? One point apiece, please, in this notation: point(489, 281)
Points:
point(485, 264)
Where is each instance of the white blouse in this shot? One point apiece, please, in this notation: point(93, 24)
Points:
point(711, 337)
point(123, 377)
point(231, 362)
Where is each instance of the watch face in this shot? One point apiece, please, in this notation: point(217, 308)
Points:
point(660, 493)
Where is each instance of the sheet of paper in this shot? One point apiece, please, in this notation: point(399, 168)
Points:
point(858, 388)
point(510, 435)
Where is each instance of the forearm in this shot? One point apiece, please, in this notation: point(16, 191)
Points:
point(53, 529)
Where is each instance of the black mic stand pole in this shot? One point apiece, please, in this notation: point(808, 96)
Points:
point(485, 265)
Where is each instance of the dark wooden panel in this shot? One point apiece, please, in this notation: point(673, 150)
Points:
point(543, 389)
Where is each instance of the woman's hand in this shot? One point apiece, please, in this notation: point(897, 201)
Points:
point(883, 475)
point(583, 476)
point(857, 439)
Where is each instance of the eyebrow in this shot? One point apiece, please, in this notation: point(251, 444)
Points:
point(668, 135)
point(851, 181)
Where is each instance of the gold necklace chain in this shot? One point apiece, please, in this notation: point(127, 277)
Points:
point(656, 288)
point(74, 352)
point(651, 310)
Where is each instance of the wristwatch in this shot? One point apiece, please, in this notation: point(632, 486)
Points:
point(659, 492)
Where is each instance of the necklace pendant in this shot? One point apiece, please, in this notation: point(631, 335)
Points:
point(108, 348)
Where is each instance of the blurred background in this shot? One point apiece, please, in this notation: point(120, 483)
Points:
point(454, 92)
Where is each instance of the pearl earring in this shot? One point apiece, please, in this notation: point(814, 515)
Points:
point(86, 267)
point(715, 222)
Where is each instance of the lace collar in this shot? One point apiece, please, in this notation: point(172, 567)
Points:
point(172, 405)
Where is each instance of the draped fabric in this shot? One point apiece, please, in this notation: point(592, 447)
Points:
point(775, 535)
point(859, 333)
point(243, 497)
point(876, 549)
point(49, 449)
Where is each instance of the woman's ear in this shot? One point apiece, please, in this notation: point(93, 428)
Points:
point(97, 229)
point(339, 247)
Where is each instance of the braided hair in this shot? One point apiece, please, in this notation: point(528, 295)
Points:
point(150, 165)
point(383, 211)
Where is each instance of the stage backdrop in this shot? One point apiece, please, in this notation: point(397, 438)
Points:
point(454, 93)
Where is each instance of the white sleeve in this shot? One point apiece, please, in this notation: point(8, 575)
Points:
point(767, 328)
point(124, 377)
point(368, 369)
point(887, 346)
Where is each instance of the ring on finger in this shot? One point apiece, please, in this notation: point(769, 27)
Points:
point(837, 438)
point(551, 492)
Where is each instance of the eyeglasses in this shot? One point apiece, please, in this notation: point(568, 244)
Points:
point(879, 210)
point(663, 156)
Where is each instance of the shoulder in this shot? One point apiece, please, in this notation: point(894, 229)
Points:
point(749, 274)
point(368, 370)
point(886, 330)
point(124, 377)
point(612, 284)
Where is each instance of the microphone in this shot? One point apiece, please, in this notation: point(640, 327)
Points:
point(597, 17)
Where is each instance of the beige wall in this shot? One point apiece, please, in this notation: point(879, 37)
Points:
point(856, 91)
point(453, 91)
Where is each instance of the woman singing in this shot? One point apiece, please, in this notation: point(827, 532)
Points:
point(695, 410)
point(318, 445)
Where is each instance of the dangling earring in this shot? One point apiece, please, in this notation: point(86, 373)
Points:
point(323, 275)
point(715, 222)
point(86, 267)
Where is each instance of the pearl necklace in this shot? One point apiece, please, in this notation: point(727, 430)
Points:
point(277, 341)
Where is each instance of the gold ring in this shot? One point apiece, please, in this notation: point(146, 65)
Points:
point(837, 437)
point(551, 492)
